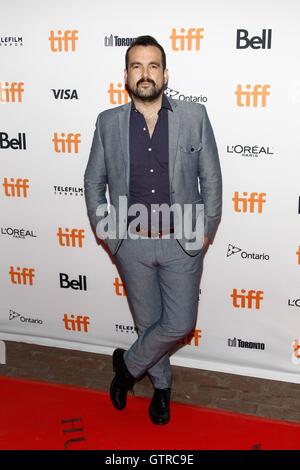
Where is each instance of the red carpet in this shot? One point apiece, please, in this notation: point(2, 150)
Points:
point(45, 416)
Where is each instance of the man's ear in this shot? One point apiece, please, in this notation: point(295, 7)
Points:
point(166, 76)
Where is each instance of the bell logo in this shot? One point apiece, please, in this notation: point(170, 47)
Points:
point(256, 42)
point(14, 144)
point(246, 301)
point(189, 41)
point(118, 95)
point(22, 276)
point(249, 204)
point(16, 189)
point(11, 92)
point(194, 337)
point(119, 287)
point(63, 40)
point(250, 97)
point(73, 238)
point(79, 323)
point(66, 144)
point(296, 352)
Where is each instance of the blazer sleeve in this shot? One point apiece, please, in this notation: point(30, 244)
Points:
point(210, 179)
point(95, 179)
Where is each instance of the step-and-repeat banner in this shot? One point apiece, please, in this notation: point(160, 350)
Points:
point(62, 63)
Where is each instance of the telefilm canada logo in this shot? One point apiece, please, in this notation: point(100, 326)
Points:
point(9, 41)
point(177, 95)
point(117, 41)
point(125, 329)
point(250, 151)
point(25, 319)
point(14, 232)
point(68, 191)
point(246, 255)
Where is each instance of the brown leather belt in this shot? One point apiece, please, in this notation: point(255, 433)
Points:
point(150, 234)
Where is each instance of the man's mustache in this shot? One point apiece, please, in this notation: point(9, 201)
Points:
point(143, 80)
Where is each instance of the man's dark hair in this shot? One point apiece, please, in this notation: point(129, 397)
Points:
point(146, 41)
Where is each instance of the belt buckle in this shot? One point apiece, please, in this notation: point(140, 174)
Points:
point(154, 234)
point(143, 232)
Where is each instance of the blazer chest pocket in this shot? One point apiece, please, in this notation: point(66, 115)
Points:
point(190, 153)
point(191, 149)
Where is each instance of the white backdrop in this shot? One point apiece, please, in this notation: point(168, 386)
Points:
point(249, 306)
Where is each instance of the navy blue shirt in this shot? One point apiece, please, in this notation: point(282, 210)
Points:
point(149, 162)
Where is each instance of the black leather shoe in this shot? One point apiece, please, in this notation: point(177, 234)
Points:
point(159, 409)
point(122, 382)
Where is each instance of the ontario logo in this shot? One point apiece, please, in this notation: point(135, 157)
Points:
point(234, 250)
point(177, 95)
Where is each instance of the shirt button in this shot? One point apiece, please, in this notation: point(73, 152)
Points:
point(144, 129)
point(151, 171)
point(149, 149)
point(153, 191)
point(154, 210)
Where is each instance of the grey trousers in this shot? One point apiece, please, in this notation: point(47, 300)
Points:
point(162, 285)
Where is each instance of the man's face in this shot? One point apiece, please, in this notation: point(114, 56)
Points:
point(145, 77)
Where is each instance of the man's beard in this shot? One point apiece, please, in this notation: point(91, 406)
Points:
point(148, 94)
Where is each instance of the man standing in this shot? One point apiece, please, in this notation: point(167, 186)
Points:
point(155, 152)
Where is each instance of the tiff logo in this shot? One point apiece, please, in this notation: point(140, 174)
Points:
point(296, 351)
point(11, 92)
point(119, 287)
point(256, 42)
point(246, 301)
point(16, 189)
point(189, 40)
point(251, 97)
point(79, 323)
point(22, 276)
point(63, 40)
point(71, 239)
point(66, 144)
point(298, 254)
point(193, 337)
point(249, 204)
point(118, 94)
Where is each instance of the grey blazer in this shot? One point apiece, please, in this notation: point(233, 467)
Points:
point(193, 159)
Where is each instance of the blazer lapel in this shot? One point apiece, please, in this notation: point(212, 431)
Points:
point(174, 123)
point(124, 118)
